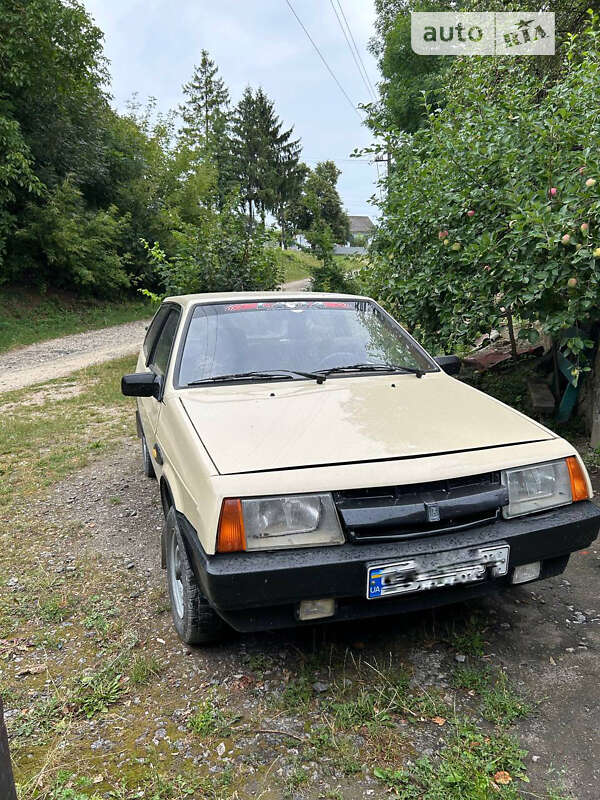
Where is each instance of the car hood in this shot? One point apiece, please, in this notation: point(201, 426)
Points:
point(263, 427)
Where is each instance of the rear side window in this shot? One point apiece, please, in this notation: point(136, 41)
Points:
point(154, 329)
point(159, 361)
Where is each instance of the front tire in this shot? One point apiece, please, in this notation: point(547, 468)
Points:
point(195, 621)
point(147, 464)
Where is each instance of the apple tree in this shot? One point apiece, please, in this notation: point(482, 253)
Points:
point(492, 208)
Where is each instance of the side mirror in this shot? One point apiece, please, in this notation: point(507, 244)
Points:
point(140, 384)
point(450, 364)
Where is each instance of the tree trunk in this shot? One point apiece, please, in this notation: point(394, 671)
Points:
point(7, 783)
point(511, 334)
point(595, 380)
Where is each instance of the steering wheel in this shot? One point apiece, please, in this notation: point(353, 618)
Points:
point(340, 359)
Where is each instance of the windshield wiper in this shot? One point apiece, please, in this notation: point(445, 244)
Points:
point(374, 367)
point(276, 374)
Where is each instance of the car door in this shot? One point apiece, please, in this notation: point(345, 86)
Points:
point(158, 362)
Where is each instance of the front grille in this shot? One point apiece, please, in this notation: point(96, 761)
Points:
point(401, 512)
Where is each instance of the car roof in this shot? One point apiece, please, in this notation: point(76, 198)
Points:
point(187, 300)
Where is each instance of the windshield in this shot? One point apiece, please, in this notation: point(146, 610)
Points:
point(232, 339)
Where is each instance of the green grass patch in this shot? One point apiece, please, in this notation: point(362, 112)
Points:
point(29, 317)
point(51, 430)
point(295, 264)
point(95, 691)
point(502, 704)
point(210, 719)
point(472, 679)
point(471, 766)
point(144, 669)
point(467, 637)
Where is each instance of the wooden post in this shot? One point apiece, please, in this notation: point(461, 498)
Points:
point(7, 782)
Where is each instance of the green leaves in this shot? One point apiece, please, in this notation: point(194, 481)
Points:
point(497, 148)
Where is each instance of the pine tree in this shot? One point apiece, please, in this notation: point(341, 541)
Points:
point(265, 156)
point(205, 107)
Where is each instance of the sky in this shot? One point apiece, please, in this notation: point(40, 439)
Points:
point(153, 46)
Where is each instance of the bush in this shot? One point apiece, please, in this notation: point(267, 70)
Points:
point(66, 245)
point(218, 255)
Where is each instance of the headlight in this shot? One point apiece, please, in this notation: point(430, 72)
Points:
point(537, 488)
point(274, 523)
point(301, 520)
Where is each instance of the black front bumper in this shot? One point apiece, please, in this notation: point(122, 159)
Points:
point(259, 591)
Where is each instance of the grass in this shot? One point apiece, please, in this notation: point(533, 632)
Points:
point(46, 433)
point(295, 264)
point(210, 720)
point(473, 765)
point(501, 703)
point(467, 638)
point(96, 691)
point(144, 668)
point(29, 316)
point(472, 679)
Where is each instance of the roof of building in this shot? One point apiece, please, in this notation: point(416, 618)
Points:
point(361, 225)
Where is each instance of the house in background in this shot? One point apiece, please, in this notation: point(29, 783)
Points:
point(361, 230)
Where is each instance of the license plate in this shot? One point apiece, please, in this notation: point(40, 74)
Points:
point(437, 570)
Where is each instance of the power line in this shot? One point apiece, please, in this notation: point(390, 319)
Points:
point(322, 57)
point(353, 54)
point(373, 94)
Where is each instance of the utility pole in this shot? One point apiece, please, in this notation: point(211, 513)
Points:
point(7, 782)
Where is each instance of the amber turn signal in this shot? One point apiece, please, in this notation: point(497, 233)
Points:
point(231, 538)
point(579, 489)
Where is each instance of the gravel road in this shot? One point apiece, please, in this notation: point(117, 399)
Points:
point(59, 357)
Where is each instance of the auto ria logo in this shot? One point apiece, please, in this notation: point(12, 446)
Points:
point(485, 33)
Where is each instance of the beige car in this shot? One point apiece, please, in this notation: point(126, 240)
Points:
point(315, 464)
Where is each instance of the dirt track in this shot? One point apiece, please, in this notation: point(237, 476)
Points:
point(59, 357)
point(544, 636)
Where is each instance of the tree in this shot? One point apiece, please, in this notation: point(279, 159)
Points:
point(265, 157)
point(205, 107)
point(321, 202)
point(16, 176)
point(494, 207)
point(407, 77)
point(217, 254)
point(291, 176)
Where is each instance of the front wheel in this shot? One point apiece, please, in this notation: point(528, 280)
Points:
point(195, 621)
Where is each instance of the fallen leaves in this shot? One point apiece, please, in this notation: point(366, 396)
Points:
point(503, 778)
point(31, 669)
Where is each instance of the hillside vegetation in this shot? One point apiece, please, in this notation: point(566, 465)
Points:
point(28, 316)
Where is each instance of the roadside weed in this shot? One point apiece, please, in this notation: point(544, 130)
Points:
point(54, 609)
point(298, 694)
point(468, 639)
point(210, 720)
point(473, 679)
point(94, 692)
point(144, 668)
point(501, 704)
point(471, 766)
point(296, 777)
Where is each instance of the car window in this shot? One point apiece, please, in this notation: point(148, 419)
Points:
point(154, 329)
point(159, 360)
point(228, 338)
